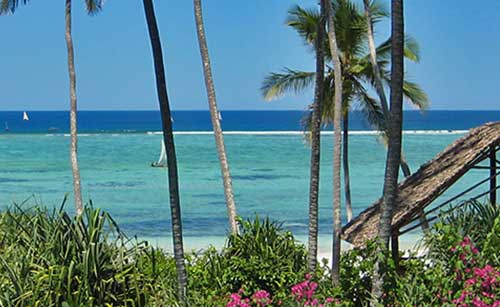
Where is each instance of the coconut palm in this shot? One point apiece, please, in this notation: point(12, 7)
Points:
point(357, 71)
point(337, 109)
point(312, 258)
point(394, 149)
point(92, 6)
point(214, 114)
point(379, 87)
point(168, 138)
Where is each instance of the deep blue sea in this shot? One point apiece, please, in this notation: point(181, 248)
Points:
point(142, 121)
point(268, 156)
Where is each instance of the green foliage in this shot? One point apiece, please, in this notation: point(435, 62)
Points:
point(473, 219)
point(357, 70)
point(463, 243)
point(52, 259)
point(420, 285)
point(492, 243)
point(261, 257)
point(264, 257)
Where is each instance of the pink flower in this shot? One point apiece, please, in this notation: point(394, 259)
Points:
point(261, 298)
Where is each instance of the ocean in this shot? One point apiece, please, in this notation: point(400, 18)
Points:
point(268, 156)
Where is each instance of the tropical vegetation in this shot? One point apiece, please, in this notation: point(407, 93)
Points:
point(358, 74)
point(49, 258)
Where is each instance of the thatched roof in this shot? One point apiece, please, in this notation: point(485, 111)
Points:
point(430, 181)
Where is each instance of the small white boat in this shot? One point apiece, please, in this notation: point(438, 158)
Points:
point(7, 127)
point(162, 161)
point(25, 116)
point(220, 116)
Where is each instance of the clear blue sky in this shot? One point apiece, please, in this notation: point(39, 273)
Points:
point(247, 39)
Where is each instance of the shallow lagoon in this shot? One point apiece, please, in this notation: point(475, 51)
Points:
point(270, 178)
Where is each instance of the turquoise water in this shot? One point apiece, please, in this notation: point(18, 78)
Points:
point(270, 177)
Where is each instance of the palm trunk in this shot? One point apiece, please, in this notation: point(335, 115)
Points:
point(214, 114)
point(316, 146)
point(345, 162)
point(394, 151)
point(378, 79)
point(379, 87)
point(337, 144)
point(73, 152)
point(168, 138)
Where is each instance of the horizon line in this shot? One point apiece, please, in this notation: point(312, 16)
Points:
point(224, 110)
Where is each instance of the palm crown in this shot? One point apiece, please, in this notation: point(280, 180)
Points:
point(357, 71)
point(9, 6)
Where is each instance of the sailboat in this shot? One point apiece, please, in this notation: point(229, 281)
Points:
point(7, 127)
point(162, 161)
point(25, 116)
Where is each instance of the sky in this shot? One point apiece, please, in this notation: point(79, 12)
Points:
point(247, 40)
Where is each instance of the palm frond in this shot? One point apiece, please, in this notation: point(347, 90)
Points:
point(9, 6)
point(350, 28)
point(327, 112)
point(378, 11)
point(305, 22)
point(277, 84)
point(93, 6)
point(415, 95)
point(371, 109)
point(412, 93)
point(411, 51)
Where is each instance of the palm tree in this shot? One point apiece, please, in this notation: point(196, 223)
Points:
point(316, 144)
point(92, 6)
point(337, 109)
point(214, 114)
point(358, 74)
point(405, 168)
point(168, 138)
point(394, 149)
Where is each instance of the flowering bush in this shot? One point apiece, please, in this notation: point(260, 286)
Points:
point(302, 294)
point(476, 285)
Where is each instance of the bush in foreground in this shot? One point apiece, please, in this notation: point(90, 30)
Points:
point(52, 259)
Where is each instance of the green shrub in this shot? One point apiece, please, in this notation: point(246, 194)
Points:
point(492, 244)
point(473, 219)
point(461, 246)
point(52, 259)
point(264, 257)
point(261, 257)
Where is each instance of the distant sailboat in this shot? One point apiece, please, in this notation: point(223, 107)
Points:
point(25, 116)
point(220, 116)
point(7, 127)
point(162, 161)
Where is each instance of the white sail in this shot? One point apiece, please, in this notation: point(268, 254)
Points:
point(163, 155)
point(25, 116)
point(220, 116)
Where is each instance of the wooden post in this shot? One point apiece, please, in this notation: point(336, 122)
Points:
point(493, 178)
point(423, 221)
point(395, 249)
